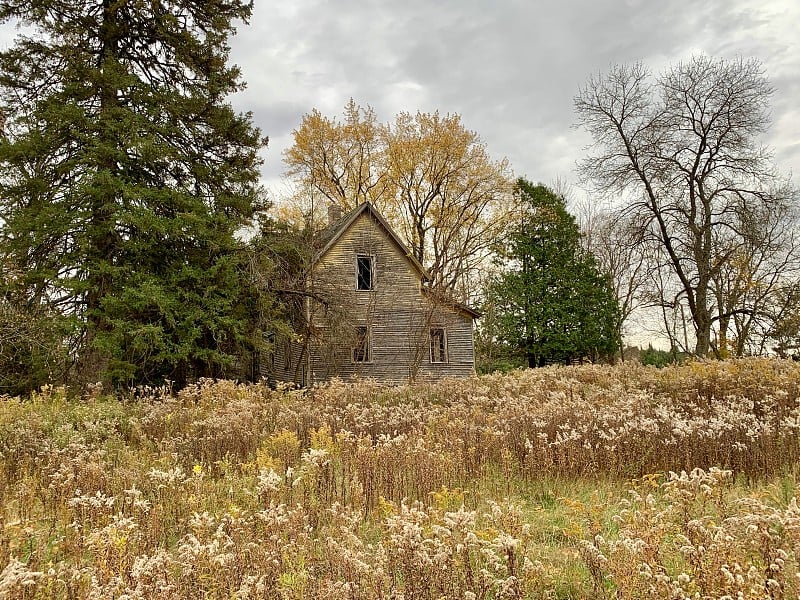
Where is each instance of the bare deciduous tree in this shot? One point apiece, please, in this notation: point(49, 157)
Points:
point(763, 262)
point(615, 241)
point(684, 150)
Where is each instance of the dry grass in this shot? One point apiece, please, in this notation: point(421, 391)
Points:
point(507, 486)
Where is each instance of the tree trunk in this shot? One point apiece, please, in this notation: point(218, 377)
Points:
point(702, 321)
point(93, 364)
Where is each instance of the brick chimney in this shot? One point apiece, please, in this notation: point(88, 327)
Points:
point(334, 213)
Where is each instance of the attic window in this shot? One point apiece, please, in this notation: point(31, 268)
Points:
point(362, 350)
point(438, 345)
point(365, 272)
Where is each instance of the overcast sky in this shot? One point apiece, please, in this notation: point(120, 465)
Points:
point(510, 68)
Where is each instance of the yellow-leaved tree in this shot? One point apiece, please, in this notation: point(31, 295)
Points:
point(338, 161)
point(427, 173)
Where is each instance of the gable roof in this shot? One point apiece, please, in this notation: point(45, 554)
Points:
point(331, 235)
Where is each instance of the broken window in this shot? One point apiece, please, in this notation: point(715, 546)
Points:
point(438, 345)
point(362, 350)
point(365, 272)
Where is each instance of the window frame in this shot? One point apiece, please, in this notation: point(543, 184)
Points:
point(445, 355)
point(372, 278)
point(364, 341)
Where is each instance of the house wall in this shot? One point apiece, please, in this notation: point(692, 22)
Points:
point(287, 362)
point(396, 313)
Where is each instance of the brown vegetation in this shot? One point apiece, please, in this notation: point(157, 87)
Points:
point(503, 486)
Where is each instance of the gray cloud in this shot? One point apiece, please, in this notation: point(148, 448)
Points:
point(509, 67)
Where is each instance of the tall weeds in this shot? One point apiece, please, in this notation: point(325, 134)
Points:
point(356, 490)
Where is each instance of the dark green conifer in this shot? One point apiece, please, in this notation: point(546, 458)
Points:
point(125, 175)
point(551, 304)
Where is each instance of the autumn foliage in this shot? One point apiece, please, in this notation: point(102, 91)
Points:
point(431, 176)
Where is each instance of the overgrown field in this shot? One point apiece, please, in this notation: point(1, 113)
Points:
point(585, 482)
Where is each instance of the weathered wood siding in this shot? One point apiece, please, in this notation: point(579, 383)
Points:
point(287, 362)
point(460, 349)
point(397, 314)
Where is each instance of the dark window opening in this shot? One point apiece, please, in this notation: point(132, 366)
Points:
point(365, 279)
point(438, 345)
point(362, 350)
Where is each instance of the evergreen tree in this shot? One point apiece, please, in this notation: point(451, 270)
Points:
point(125, 174)
point(31, 352)
point(551, 304)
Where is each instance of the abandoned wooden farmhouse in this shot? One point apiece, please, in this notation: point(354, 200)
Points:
point(368, 312)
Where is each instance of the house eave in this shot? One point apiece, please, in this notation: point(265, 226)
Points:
point(453, 304)
point(351, 217)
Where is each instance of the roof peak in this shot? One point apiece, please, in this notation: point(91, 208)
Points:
point(333, 232)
